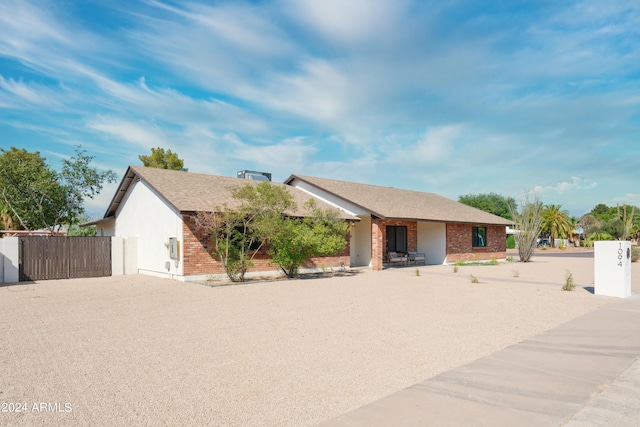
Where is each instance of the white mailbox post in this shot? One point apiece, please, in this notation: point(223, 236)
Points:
point(612, 268)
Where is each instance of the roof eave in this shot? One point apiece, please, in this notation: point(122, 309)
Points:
point(373, 213)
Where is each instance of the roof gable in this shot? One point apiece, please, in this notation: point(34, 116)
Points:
point(195, 192)
point(396, 203)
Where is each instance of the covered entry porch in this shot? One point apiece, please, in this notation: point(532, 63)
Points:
point(373, 238)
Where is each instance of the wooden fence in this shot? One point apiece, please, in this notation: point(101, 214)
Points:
point(56, 257)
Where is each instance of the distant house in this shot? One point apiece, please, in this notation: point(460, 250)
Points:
point(155, 209)
point(396, 220)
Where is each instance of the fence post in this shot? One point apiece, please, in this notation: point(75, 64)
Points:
point(117, 256)
point(10, 247)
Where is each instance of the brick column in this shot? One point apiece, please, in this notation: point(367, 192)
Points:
point(377, 243)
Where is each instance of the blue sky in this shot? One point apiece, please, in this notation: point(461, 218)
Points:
point(451, 97)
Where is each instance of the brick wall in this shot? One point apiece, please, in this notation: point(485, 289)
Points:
point(459, 245)
point(412, 233)
point(377, 243)
point(197, 247)
point(379, 239)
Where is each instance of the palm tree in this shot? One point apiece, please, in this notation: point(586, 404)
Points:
point(574, 224)
point(556, 222)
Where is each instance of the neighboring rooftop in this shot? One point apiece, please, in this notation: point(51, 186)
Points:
point(396, 203)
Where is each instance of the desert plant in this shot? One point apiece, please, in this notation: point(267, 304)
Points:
point(627, 221)
point(569, 283)
point(528, 223)
point(455, 268)
point(417, 272)
point(473, 279)
point(635, 254)
point(509, 259)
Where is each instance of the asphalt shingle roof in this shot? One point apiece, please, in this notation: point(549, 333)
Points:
point(396, 203)
point(195, 192)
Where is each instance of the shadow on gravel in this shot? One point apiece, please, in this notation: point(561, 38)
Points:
point(13, 285)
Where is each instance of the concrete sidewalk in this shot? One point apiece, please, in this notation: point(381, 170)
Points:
point(584, 372)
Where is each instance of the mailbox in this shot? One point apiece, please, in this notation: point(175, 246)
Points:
point(612, 268)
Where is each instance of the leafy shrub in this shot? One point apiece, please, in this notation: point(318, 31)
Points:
point(600, 236)
point(511, 242)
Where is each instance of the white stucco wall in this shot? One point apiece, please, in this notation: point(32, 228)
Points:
point(106, 228)
point(432, 241)
point(143, 214)
point(360, 244)
point(10, 258)
point(329, 198)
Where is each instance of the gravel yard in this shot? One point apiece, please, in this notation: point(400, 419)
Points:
point(139, 350)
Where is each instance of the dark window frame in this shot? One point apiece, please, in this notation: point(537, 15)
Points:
point(397, 236)
point(479, 237)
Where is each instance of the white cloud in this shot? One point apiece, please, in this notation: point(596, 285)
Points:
point(350, 22)
point(576, 183)
point(281, 157)
point(141, 134)
point(20, 95)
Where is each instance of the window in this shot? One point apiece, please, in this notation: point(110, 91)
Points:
point(396, 238)
point(479, 237)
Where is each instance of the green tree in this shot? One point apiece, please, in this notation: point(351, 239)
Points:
point(602, 211)
point(265, 214)
point(35, 196)
point(528, 225)
point(555, 221)
point(162, 159)
point(295, 240)
point(613, 227)
point(238, 230)
point(491, 202)
point(81, 181)
point(76, 230)
point(32, 196)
